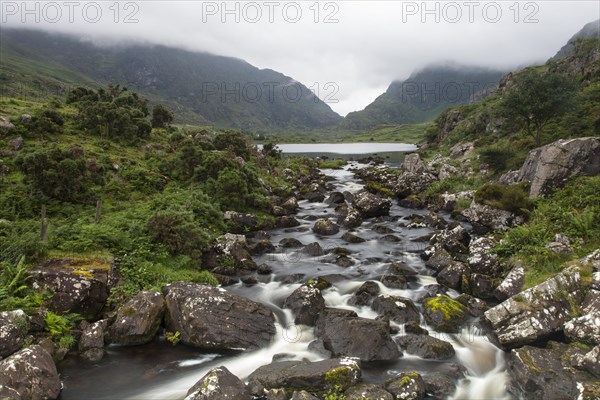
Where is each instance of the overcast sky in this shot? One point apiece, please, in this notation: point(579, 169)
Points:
point(361, 46)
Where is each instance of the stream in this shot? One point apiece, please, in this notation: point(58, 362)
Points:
point(161, 371)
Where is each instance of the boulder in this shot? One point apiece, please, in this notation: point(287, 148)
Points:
point(7, 393)
point(452, 275)
point(91, 342)
point(552, 165)
point(370, 205)
point(313, 249)
point(537, 312)
point(444, 314)
point(511, 285)
point(233, 246)
point(6, 125)
point(365, 294)
point(240, 222)
point(481, 258)
point(318, 376)
point(411, 183)
point(31, 373)
point(439, 385)
point(398, 309)
point(306, 303)
point(352, 238)
point(439, 259)
point(212, 318)
point(17, 143)
point(345, 334)
point(325, 227)
point(14, 326)
point(447, 171)
point(139, 319)
point(449, 200)
point(485, 218)
point(475, 306)
point(219, 384)
point(482, 286)
point(585, 328)
point(303, 395)
point(286, 222)
point(401, 268)
point(264, 269)
point(406, 386)
point(290, 205)
point(426, 346)
point(367, 391)
point(394, 281)
point(352, 219)
point(591, 361)
point(413, 163)
point(290, 243)
point(561, 245)
point(335, 198)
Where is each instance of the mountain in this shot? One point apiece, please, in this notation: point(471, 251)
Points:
point(590, 30)
point(200, 87)
point(424, 95)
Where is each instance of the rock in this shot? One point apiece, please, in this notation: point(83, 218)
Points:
point(585, 328)
point(447, 171)
point(476, 306)
point(198, 312)
point(401, 268)
point(461, 149)
point(455, 240)
point(546, 373)
point(410, 183)
point(302, 375)
point(25, 118)
point(452, 276)
point(352, 219)
point(290, 243)
point(444, 314)
point(394, 281)
point(91, 343)
point(31, 373)
point(426, 347)
point(14, 326)
point(335, 198)
point(367, 391)
point(314, 196)
point(325, 227)
point(413, 163)
point(481, 258)
point(411, 201)
point(449, 200)
point(241, 222)
point(139, 319)
point(591, 361)
point(415, 329)
point(438, 385)
point(303, 395)
point(370, 205)
point(290, 205)
point(7, 393)
point(382, 229)
point(233, 246)
point(439, 260)
point(551, 166)
point(536, 312)
point(390, 238)
point(71, 292)
point(306, 303)
point(313, 249)
point(17, 143)
point(286, 222)
point(406, 386)
point(511, 285)
point(264, 269)
point(345, 334)
point(219, 384)
point(485, 218)
point(398, 309)
point(365, 294)
point(482, 286)
point(6, 125)
point(352, 238)
point(262, 247)
point(561, 245)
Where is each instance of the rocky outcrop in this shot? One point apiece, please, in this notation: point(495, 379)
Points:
point(317, 376)
point(426, 346)
point(213, 318)
point(485, 218)
point(345, 334)
point(138, 320)
point(306, 303)
point(370, 205)
point(551, 166)
point(511, 285)
point(585, 328)
point(13, 329)
point(31, 373)
point(219, 384)
point(481, 257)
point(91, 343)
point(536, 312)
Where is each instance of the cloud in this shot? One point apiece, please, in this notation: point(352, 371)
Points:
point(361, 46)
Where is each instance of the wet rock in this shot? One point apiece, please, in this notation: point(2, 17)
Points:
point(485, 218)
point(438, 385)
point(439, 260)
point(552, 165)
point(406, 386)
point(452, 276)
point(286, 222)
point(511, 285)
point(264, 269)
point(313, 249)
point(71, 292)
point(435, 221)
point(536, 312)
point(481, 258)
point(219, 384)
point(325, 227)
point(394, 281)
point(91, 343)
point(31, 373)
point(476, 306)
point(17, 143)
point(444, 314)
point(314, 196)
point(365, 294)
point(233, 246)
point(306, 303)
point(585, 328)
point(240, 222)
point(139, 319)
point(432, 290)
point(335, 198)
point(367, 391)
point(290, 243)
point(14, 326)
point(545, 373)
point(426, 347)
point(370, 205)
point(390, 238)
point(345, 334)
point(482, 286)
point(344, 261)
point(352, 238)
point(382, 229)
point(302, 375)
point(415, 329)
point(290, 205)
point(198, 311)
point(352, 219)
point(455, 240)
point(262, 247)
point(398, 309)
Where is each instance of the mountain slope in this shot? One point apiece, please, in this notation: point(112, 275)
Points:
point(590, 30)
point(203, 87)
point(423, 96)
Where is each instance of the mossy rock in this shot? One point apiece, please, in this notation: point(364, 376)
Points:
point(445, 314)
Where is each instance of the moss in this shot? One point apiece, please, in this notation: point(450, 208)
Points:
point(338, 376)
point(128, 311)
point(378, 188)
point(449, 308)
point(526, 358)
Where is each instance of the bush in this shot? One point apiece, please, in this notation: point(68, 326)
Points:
point(514, 198)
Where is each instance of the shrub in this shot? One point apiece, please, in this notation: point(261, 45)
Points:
point(514, 198)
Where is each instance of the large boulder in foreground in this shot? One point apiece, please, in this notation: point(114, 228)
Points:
point(219, 384)
point(212, 318)
point(320, 376)
point(31, 373)
point(537, 312)
point(552, 165)
point(345, 334)
point(138, 320)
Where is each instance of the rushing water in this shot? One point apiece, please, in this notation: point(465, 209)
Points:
point(160, 371)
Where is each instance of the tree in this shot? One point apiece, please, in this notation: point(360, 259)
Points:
point(161, 117)
point(536, 99)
